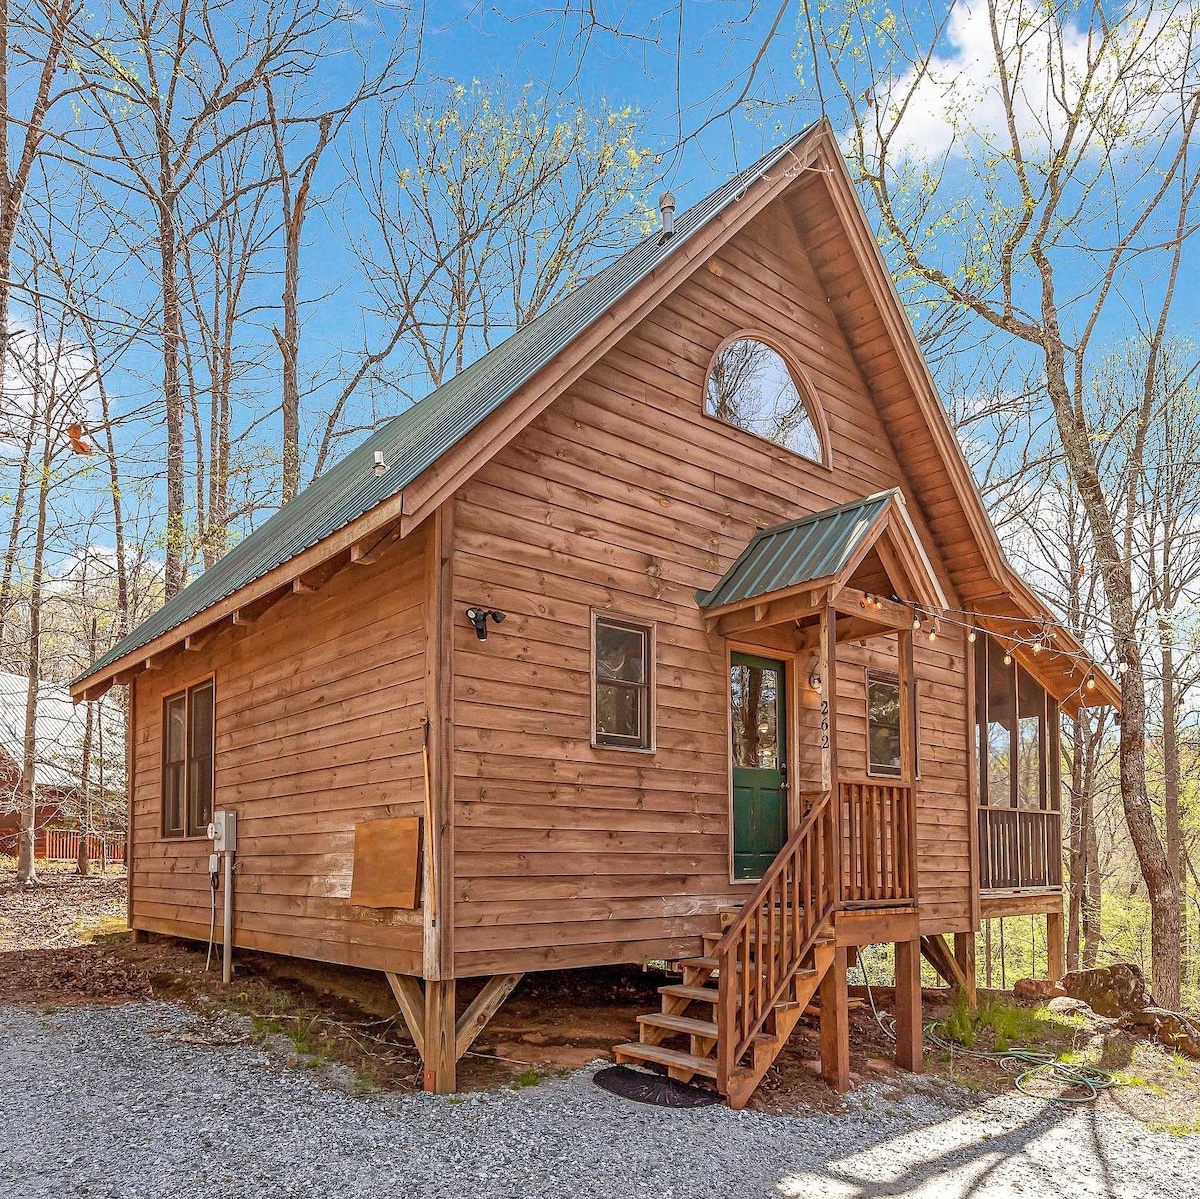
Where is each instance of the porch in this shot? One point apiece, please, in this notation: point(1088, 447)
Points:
point(831, 855)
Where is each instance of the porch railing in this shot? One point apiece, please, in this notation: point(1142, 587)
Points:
point(878, 846)
point(775, 932)
point(1019, 848)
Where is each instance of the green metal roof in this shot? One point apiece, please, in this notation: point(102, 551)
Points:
point(798, 552)
point(419, 436)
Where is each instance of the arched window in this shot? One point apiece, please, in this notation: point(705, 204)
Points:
point(751, 385)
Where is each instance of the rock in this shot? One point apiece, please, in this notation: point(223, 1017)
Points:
point(1171, 1029)
point(1109, 990)
point(1064, 1005)
point(1036, 988)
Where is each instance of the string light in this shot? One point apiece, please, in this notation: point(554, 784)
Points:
point(1079, 663)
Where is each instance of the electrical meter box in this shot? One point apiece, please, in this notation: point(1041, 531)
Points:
point(223, 832)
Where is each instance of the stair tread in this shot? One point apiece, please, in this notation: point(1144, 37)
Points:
point(696, 1028)
point(668, 1057)
point(683, 991)
point(689, 1025)
point(699, 963)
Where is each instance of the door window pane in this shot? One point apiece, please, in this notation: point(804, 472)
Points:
point(883, 725)
point(754, 696)
point(622, 683)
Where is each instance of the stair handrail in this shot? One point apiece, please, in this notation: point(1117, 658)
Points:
point(804, 878)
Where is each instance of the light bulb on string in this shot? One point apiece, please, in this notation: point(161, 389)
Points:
point(1007, 658)
point(971, 635)
point(1090, 681)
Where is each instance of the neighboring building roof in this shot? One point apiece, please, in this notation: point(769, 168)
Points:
point(800, 551)
point(58, 732)
point(419, 436)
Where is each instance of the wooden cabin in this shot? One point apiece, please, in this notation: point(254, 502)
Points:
point(672, 629)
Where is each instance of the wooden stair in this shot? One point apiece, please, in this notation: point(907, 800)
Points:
point(740, 1000)
point(699, 1033)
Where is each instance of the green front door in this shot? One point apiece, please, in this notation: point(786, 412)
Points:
point(758, 720)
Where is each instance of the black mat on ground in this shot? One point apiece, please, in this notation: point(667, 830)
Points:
point(644, 1087)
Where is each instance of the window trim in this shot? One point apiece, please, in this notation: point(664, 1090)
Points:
point(804, 385)
point(186, 832)
point(648, 744)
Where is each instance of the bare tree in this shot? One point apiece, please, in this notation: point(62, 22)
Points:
point(34, 39)
point(482, 211)
point(173, 85)
point(1037, 173)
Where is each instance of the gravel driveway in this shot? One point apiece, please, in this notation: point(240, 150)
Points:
point(109, 1102)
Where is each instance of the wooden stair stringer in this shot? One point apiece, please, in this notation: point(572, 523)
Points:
point(745, 1081)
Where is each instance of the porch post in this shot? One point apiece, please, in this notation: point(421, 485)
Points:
point(829, 733)
point(835, 1024)
point(1056, 965)
point(964, 954)
point(909, 1049)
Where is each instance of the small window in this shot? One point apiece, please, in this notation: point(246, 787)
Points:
point(751, 386)
point(187, 784)
point(883, 725)
point(622, 686)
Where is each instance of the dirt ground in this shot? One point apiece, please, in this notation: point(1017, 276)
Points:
point(64, 943)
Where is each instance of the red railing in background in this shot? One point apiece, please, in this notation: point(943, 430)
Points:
point(62, 845)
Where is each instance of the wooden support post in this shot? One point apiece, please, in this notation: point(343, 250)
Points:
point(1056, 961)
point(835, 1024)
point(438, 1055)
point(964, 954)
point(909, 1049)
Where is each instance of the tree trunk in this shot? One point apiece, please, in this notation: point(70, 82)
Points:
point(26, 788)
point(1165, 938)
point(83, 862)
point(1171, 774)
point(172, 393)
point(1077, 874)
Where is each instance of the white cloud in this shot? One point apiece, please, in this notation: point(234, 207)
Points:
point(1128, 79)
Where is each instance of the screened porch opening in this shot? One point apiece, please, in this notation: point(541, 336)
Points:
point(1017, 748)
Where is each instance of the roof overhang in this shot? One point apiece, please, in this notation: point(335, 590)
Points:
point(791, 571)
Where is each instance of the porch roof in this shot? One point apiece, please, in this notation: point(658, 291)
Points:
point(799, 552)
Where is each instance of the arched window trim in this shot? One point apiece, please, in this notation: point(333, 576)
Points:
point(803, 383)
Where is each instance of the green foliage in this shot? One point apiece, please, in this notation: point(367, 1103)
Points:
point(526, 1078)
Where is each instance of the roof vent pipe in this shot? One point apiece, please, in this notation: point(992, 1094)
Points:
point(666, 206)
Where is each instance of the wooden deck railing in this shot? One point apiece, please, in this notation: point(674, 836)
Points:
point(878, 846)
point(1018, 848)
point(775, 932)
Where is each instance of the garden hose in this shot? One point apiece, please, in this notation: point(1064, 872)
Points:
point(1024, 1064)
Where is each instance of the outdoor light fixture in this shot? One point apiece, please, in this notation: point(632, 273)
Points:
point(479, 618)
point(1090, 681)
point(972, 635)
point(815, 681)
